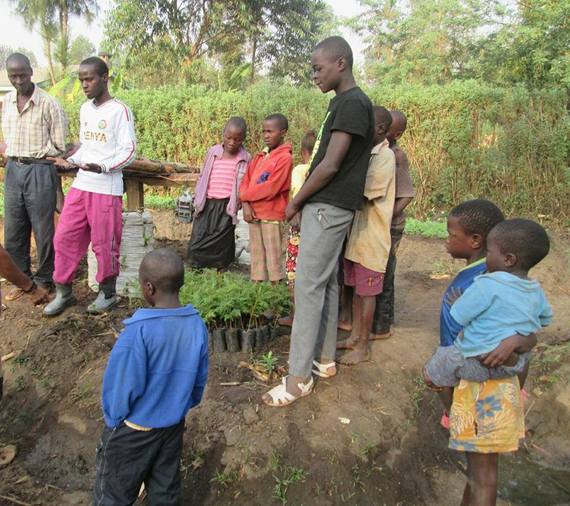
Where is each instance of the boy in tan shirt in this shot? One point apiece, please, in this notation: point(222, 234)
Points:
point(384, 313)
point(369, 243)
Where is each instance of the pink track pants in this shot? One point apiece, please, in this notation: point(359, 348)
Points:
point(88, 217)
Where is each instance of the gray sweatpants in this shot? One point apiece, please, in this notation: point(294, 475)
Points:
point(29, 206)
point(323, 230)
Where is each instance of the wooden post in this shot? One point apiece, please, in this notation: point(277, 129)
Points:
point(135, 194)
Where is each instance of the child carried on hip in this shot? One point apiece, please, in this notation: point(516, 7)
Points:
point(500, 303)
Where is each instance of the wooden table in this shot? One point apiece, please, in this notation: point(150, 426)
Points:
point(150, 172)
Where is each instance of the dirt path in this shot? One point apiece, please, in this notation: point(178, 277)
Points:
point(238, 451)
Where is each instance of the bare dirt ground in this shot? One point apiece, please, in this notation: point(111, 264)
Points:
point(237, 451)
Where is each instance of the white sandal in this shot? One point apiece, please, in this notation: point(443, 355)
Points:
point(280, 397)
point(322, 370)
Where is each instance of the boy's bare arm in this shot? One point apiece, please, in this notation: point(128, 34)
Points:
point(401, 204)
point(323, 173)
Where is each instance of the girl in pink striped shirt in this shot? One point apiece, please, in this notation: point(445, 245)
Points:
point(217, 202)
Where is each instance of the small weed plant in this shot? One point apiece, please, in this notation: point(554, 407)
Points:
point(224, 478)
point(269, 362)
point(417, 393)
point(290, 475)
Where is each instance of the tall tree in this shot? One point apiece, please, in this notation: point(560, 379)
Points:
point(144, 32)
point(41, 14)
point(171, 36)
point(65, 9)
point(282, 34)
point(52, 17)
point(532, 47)
point(80, 48)
point(427, 41)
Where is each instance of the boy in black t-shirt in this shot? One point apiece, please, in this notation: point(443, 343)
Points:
point(333, 191)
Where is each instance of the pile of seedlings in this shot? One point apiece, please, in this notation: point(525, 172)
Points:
point(239, 313)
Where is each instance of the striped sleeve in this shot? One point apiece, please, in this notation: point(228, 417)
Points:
point(125, 150)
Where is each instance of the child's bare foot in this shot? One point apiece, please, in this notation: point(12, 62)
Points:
point(347, 344)
point(342, 325)
point(381, 335)
point(355, 356)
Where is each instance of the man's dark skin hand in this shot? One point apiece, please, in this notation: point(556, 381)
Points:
point(63, 164)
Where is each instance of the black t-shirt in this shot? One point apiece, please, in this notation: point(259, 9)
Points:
point(350, 112)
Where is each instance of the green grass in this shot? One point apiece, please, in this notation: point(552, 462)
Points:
point(160, 202)
point(432, 229)
point(224, 479)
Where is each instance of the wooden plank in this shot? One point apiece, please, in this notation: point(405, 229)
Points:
point(177, 180)
point(135, 194)
point(157, 167)
point(150, 168)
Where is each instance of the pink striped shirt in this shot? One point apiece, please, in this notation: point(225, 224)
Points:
point(222, 178)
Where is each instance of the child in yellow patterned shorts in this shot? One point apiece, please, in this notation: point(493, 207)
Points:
point(298, 177)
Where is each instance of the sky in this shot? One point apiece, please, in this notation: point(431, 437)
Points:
point(13, 32)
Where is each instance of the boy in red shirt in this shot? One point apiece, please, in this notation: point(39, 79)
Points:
point(264, 193)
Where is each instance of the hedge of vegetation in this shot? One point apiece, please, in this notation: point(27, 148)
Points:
point(464, 140)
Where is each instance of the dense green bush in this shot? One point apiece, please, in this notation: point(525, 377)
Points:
point(464, 140)
point(231, 299)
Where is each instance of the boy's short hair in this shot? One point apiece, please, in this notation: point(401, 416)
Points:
point(477, 216)
point(401, 117)
point(308, 141)
point(335, 47)
point(100, 66)
point(524, 238)
point(281, 120)
point(164, 268)
point(238, 122)
point(382, 116)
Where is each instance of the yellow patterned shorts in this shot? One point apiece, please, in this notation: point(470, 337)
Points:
point(486, 417)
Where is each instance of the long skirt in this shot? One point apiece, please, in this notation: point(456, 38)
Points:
point(213, 242)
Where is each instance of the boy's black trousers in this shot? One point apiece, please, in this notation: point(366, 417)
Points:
point(127, 457)
point(384, 313)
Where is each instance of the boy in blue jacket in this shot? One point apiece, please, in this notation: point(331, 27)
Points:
point(157, 371)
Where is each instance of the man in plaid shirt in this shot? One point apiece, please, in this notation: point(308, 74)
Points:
point(34, 126)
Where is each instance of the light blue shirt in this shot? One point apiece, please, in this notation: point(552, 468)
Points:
point(498, 305)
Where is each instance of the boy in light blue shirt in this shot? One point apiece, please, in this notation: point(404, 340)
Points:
point(498, 304)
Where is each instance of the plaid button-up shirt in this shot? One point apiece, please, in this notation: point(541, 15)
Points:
point(36, 132)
